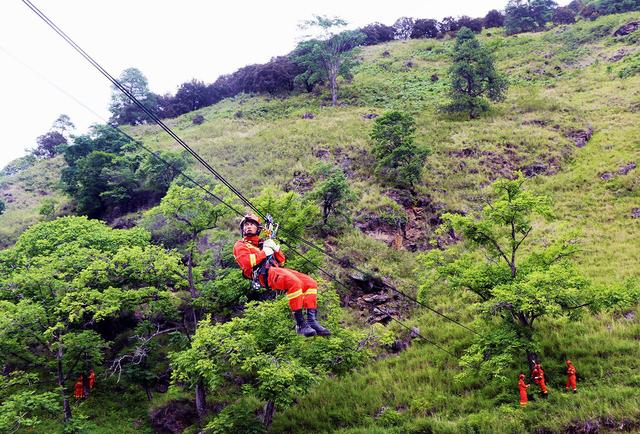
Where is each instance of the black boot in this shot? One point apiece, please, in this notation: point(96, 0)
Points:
point(313, 323)
point(302, 328)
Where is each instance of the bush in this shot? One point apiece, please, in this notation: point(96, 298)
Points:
point(377, 33)
point(563, 15)
point(494, 18)
point(399, 160)
point(526, 16)
point(425, 28)
point(474, 24)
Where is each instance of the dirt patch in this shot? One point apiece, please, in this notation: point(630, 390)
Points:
point(174, 417)
point(627, 29)
point(619, 55)
point(580, 137)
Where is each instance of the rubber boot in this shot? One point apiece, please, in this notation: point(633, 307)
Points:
point(313, 323)
point(302, 328)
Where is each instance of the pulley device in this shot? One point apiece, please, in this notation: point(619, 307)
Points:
point(271, 231)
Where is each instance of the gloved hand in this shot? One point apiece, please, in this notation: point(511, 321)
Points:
point(271, 244)
point(267, 250)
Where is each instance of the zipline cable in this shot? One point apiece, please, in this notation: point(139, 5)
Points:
point(217, 175)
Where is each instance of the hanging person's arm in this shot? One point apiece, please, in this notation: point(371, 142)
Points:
point(277, 252)
point(247, 257)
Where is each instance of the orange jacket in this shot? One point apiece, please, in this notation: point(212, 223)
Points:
point(248, 254)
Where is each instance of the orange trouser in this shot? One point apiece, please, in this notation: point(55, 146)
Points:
point(571, 382)
point(523, 396)
point(301, 289)
point(543, 386)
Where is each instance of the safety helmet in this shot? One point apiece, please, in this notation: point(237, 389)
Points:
point(522, 376)
point(251, 218)
point(568, 362)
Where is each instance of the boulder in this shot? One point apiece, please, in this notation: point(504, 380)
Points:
point(627, 29)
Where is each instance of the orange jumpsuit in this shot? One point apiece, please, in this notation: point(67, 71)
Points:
point(78, 389)
point(571, 377)
point(524, 400)
point(92, 379)
point(301, 289)
point(538, 377)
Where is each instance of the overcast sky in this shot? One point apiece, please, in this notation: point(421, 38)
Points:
point(169, 41)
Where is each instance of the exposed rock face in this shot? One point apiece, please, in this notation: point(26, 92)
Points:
point(635, 213)
point(623, 170)
point(198, 120)
point(369, 116)
point(308, 116)
point(619, 55)
point(174, 417)
point(627, 29)
point(301, 183)
point(375, 302)
point(580, 137)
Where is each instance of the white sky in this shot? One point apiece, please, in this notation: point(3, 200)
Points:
point(169, 41)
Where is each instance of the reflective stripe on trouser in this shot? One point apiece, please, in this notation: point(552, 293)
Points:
point(301, 289)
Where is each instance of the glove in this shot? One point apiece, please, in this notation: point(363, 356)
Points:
point(271, 244)
point(267, 250)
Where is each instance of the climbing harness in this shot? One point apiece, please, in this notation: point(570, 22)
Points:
point(262, 269)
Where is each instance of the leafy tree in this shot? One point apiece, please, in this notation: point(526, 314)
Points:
point(103, 175)
point(63, 125)
point(262, 347)
point(403, 28)
point(527, 15)
point(398, 160)
point(48, 144)
point(424, 28)
point(377, 33)
point(123, 110)
point(62, 279)
point(563, 15)
point(448, 25)
point(494, 18)
point(514, 290)
point(606, 7)
point(48, 208)
point(20, 407)
point(329, 56)
point(474, 24)
point(334, 195)
point(192, 96)
point(473, 77)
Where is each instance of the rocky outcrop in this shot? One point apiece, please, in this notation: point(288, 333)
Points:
point(174, 417)
point(627, 29)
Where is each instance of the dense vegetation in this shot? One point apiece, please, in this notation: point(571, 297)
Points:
point(542, 264)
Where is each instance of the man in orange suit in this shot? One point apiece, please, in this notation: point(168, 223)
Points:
point(263, 260)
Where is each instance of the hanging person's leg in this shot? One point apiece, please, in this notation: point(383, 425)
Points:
point(284, 279)
point(310, 302)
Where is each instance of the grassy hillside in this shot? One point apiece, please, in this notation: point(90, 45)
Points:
point(564, 85)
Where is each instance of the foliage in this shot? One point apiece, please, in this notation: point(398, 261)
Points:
point(62, 279)
point(48, 144)
point(473, 24)
point(513, 291)
point(104, 175)
point(398, 160)
point(123, 110)
point(473, 77)
point(494, 18)
point(334, 195)
point(262, 347)
point(20, 408)
point(527, 15)
point(18, 165)
point(424, 28)
point(48, 208)
point(606, 7)
point(2, 207)
point(563, 15)
point(329, 56)
point(377, 33)
point(403, 28)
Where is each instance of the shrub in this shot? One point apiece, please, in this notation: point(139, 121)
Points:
point(494, 18)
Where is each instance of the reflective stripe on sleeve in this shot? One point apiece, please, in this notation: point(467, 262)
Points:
point(252, 260)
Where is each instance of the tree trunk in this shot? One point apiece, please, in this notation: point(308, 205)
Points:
point(147, 389)
point(192, 287)
point(201, 400)
point(269, 411)
point(334, 90)
point(66, 408)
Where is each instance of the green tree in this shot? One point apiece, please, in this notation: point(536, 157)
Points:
point(123, 110)
point(48, 208)
point(473, 77)
point(328, 56)
point(527, 15)
point(333, 194)
point(21, 406)
point(262, 348)
point(399, 161)
point(513, 289)
point(62, 278)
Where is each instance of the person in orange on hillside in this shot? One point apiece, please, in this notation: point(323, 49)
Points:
point(538, 377)
point(571, 377)
point(78, 389)
point(92, 379)
point(264, 257)
point(524, 400)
